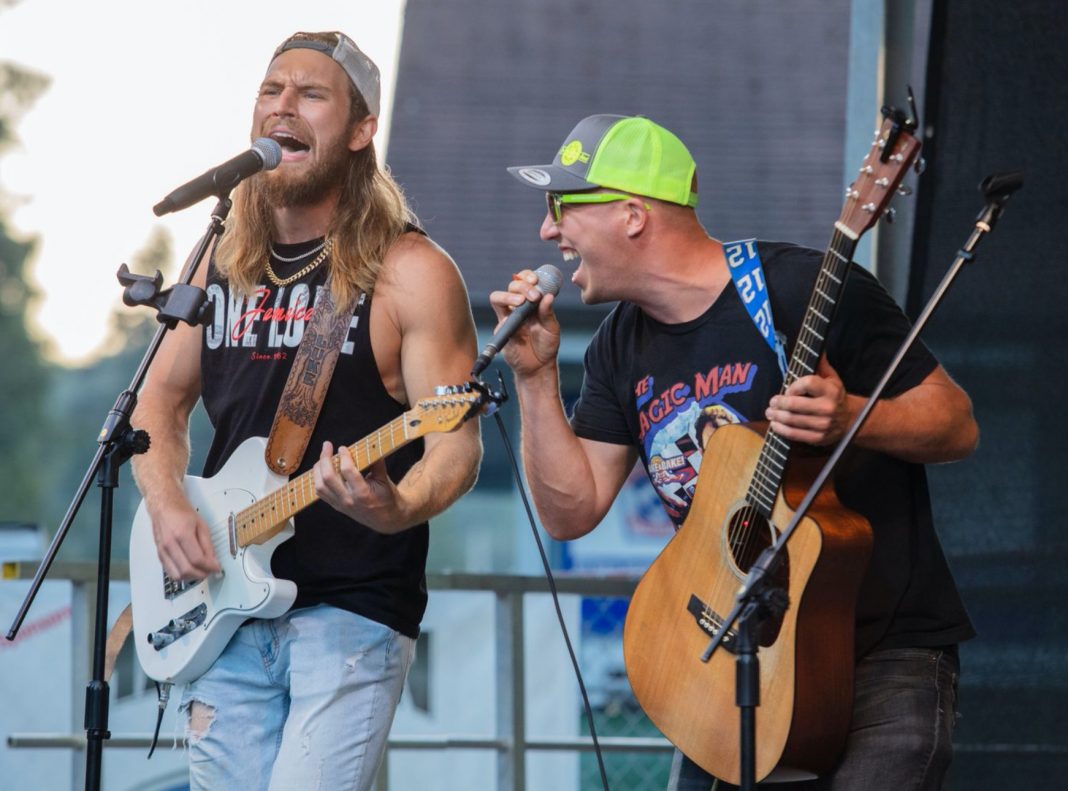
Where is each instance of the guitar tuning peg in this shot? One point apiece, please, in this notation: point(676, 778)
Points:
point(904, 190)
point(920, 165)
point(889, 215)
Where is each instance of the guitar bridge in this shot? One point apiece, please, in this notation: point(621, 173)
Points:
point(710, 623)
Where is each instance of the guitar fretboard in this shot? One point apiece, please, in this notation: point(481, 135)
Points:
point(274, 509)
point(767, 478)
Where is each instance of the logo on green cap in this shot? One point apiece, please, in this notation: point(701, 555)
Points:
point(572, 152)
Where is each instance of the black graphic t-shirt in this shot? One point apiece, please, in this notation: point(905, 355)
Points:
point(664, 388)
point(246, 355)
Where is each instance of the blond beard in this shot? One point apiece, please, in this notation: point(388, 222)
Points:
point(284, 191)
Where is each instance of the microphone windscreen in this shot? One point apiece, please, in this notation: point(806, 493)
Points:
point(549, 279)
point(270, 152)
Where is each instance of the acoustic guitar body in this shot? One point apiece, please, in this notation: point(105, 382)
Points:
point(806, 658)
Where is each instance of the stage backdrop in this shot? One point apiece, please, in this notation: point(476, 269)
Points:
point(998, 100)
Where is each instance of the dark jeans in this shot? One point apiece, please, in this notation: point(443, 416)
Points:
point(901, 735)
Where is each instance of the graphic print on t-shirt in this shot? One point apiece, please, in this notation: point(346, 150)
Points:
point(240, 320)
point(676, 421)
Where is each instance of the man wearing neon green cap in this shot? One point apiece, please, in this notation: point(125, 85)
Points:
point(701, 327)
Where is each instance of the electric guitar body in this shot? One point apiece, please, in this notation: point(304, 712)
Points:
point(218, 605)
point(181, 627)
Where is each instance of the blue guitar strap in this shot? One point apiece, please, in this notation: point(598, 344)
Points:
point(743, 261)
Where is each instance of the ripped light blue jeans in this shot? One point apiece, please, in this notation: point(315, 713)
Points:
point(302, 701)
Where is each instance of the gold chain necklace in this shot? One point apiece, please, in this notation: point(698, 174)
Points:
point(276, 280)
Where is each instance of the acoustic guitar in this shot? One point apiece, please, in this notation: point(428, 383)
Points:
point(746, 492)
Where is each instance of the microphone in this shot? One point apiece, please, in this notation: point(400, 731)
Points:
point(549, 280)
point(265, 154)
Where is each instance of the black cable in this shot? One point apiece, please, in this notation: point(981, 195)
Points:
point(556, 599)
point(163, 693)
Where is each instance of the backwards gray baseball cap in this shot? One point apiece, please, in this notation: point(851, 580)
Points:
point(360, 69)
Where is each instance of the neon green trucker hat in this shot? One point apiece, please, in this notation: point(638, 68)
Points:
point(628, 153)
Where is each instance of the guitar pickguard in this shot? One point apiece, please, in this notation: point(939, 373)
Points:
point(181, 627)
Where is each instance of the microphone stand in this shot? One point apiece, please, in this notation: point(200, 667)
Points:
point(117, 442)
point(758, 599)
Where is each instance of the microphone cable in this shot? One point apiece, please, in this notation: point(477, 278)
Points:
point(556, 597)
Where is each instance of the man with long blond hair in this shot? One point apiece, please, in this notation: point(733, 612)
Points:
point(307, 699)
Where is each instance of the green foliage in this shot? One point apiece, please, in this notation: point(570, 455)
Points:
point(22, 386)
point(78, 404)
point(19, 89)
point(50, 415)
point(25, 379)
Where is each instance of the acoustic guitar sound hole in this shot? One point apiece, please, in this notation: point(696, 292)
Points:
point(749, 534)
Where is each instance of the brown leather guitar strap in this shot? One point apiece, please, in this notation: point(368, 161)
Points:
point(309, 378)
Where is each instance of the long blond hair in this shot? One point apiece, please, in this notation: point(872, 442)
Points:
point(371, 215)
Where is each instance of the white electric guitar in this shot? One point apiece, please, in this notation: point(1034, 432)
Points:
point(180, 628)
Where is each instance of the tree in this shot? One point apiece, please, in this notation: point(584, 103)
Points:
point(25, 380)
point(79, 402)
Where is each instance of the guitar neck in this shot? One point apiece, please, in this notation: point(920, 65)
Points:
point(771, 464)
point(265, 517)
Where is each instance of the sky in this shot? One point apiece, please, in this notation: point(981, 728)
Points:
point(144, 96)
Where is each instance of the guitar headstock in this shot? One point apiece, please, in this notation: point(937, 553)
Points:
point(892, 154)
point(445, 410)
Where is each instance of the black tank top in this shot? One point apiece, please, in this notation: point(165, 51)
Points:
point(245, 360)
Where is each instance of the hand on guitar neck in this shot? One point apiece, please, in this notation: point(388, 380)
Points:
point(815, 409)
point(370, 498)
point(930, 423)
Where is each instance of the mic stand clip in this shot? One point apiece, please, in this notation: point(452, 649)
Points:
point(491, 399)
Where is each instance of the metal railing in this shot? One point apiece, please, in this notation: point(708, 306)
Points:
point(510, 741)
